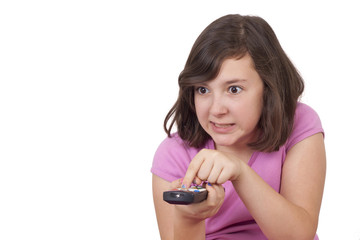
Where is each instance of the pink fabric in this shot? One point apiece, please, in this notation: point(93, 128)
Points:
point(233, 221)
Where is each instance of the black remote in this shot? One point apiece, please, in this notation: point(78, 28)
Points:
point(185, 196)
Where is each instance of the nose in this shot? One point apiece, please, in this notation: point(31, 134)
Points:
point(218, 106)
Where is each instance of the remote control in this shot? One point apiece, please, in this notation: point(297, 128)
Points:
point(185, 196)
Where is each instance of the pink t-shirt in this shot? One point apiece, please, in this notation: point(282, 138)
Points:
point(233, 220)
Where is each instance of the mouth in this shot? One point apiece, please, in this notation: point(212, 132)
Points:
point(222, 125)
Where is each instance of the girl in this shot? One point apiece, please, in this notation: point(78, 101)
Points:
point(241, 128)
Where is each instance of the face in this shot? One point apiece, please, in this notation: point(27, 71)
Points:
point(229, 106)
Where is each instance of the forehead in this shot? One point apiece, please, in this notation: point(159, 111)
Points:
point(233, 69)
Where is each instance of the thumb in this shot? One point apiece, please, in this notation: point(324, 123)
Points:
point(216, 193)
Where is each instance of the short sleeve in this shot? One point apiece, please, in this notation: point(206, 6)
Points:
point(306, 124)
point(171, 159)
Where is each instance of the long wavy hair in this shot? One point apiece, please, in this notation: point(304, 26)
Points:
point(233, 36)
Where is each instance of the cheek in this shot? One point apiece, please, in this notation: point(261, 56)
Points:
point(257, 104)
point(249, 112)
point(257, 111)
point(201, 111)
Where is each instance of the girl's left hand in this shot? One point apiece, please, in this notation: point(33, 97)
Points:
point(213, 166)
point(203, 210)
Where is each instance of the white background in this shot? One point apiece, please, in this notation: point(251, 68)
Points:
point(85, 86)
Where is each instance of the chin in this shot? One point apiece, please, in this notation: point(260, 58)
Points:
point(231, 139)
point(224, 141)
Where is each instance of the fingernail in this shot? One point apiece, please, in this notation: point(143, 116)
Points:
point(209, 184)
point(183, 186)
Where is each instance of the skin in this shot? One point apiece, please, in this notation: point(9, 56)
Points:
point(221, 105)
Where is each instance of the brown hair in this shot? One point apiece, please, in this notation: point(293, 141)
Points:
point(232, 36)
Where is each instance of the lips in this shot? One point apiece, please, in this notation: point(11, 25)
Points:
point(223, 125)
point(222, 128)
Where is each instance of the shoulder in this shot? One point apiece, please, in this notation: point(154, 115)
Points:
point(306, 124)
point(172, 158)
point(173, 141)
point(173, 146)
point(303, 109)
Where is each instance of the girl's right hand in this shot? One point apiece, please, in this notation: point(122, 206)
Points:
point(205, 209)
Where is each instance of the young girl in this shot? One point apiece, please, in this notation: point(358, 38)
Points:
point(241, 128)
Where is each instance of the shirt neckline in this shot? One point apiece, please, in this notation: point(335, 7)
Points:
point(251, 161)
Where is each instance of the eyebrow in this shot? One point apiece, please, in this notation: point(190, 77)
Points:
point(235, 81)
point(229, 82)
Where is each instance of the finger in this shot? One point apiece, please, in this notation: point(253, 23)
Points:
point(215, 173)
point(216, 194)
point(211, 198)
point(220, 190)
point(224, 176)
point(192, 170)
point(176, 183)
point(205, 169)
point(197, 181)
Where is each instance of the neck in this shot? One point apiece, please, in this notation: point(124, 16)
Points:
point(242, 152)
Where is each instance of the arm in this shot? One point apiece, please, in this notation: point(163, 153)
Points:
point(292, 214)
point(164, 211)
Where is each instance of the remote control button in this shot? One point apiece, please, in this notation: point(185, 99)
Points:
point(197, 189)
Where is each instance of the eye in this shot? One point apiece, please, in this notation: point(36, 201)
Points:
point(235, 89)
point(202, 90)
